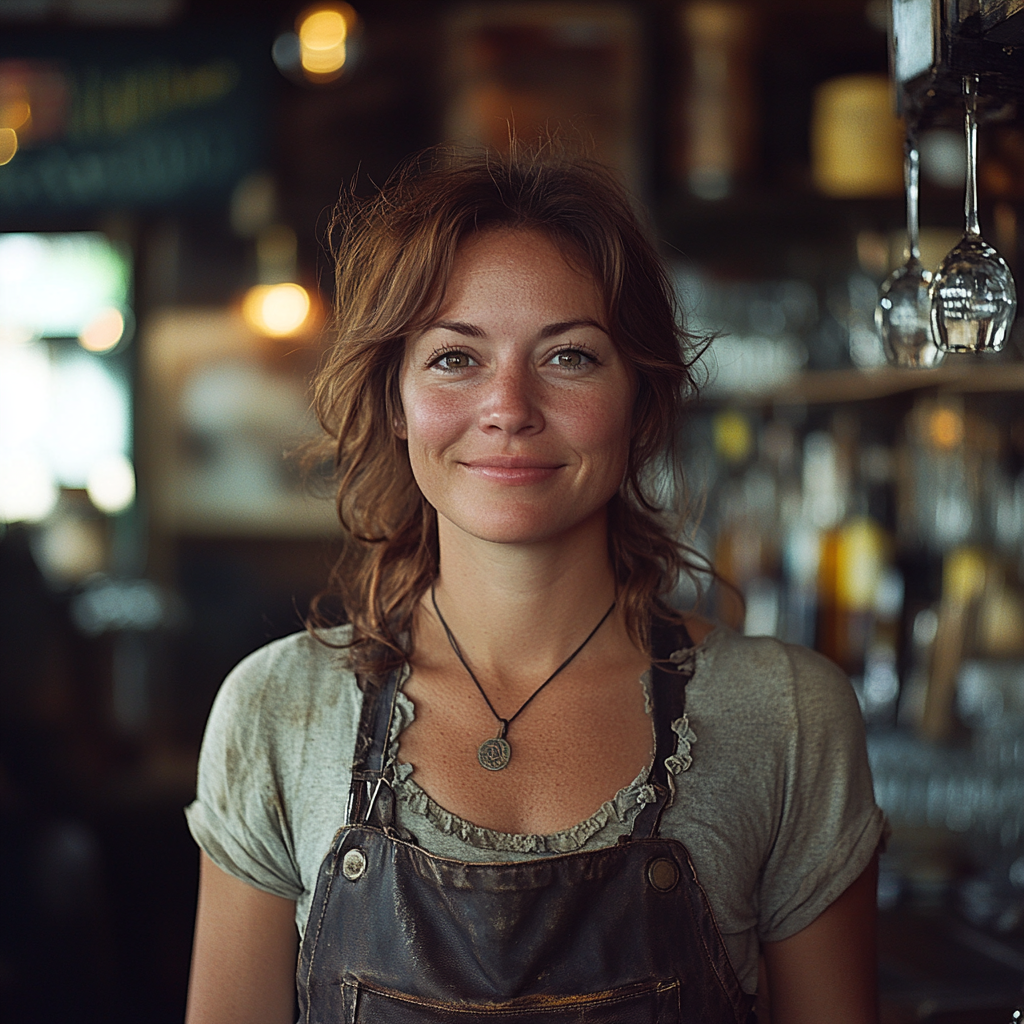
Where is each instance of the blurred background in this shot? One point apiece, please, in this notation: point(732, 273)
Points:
point(167, 174)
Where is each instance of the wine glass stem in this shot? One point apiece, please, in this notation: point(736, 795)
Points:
point(971, 130)
point(911, 175)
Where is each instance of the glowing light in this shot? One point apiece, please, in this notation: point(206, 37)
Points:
point(963, 575)
point(88, 415)
point(111, 484)
point(28, 491)
point(57, 284)
point(15, 114)
point(945, 428)
point(733, 437)
point(859, 563)
point(8, 145)
point(104, 331)
point(323, 33)
point(279, 310)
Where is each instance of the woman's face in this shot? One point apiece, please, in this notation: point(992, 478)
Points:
point(517, 405)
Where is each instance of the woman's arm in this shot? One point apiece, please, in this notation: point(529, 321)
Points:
point(243, 957)
point(829, 971)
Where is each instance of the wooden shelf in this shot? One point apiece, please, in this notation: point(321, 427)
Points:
point(834, 386)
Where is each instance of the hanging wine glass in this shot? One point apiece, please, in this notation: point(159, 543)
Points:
point(903, 313)
point(972, 293)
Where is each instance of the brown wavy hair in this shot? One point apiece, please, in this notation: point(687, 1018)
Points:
point(393, 255)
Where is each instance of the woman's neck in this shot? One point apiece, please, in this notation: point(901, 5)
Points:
point(519, 610)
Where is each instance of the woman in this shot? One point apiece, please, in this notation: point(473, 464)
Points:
point(519, 786)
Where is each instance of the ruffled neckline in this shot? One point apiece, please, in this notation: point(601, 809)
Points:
point(622, 808)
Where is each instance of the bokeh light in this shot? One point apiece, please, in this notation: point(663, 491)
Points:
point(945, 428)
point(15, 113)
point(279, 310)
point(323, 33)
point(56, 285)
point(111, 484)
point(8, 145)
point(28, 490)
point(104, 331)
point(733, 437)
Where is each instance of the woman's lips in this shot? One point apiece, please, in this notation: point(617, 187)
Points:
point(512, 470)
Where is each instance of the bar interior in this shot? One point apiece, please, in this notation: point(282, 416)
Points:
point(838, 187)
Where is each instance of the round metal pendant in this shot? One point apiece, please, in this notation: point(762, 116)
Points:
point(494, 754)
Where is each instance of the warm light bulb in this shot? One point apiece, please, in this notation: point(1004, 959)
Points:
point(323, 32)
point(104, 331)
point(279, 310)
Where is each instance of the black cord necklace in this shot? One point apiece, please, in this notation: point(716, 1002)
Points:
point(495, 754)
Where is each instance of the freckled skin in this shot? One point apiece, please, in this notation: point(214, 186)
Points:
point(517, 413)
point(561, 402)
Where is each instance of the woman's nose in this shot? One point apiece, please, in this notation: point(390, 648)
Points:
point(511, 402)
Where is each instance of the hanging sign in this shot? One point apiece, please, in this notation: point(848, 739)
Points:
point(128, 120)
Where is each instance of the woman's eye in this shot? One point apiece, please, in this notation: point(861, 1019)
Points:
point(452, 361)
point(571, 358)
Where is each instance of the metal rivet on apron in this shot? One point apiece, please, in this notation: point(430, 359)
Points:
point(354, 864)
point(663, 874)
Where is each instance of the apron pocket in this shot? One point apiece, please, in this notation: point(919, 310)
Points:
point(652, 1002)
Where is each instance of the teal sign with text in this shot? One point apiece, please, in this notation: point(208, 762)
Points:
point(117, 120)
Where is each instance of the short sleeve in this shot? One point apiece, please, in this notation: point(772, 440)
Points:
point(830, 826)
point(238, 817)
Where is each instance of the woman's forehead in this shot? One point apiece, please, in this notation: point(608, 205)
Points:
point(496, 253)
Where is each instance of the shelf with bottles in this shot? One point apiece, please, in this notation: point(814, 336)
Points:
point(889, 536)
point(853, 509)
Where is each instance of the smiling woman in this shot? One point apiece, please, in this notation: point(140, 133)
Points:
point(396, 255)
point(504, 389)
point(516, 404)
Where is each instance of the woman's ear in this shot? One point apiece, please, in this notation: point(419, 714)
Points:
point(398, 425)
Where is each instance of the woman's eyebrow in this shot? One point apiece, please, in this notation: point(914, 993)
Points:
point(458, 326)
point(567, 325)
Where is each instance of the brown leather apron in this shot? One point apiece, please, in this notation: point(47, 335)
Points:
point(621, 934)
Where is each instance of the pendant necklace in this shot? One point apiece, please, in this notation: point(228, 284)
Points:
point(495, 754)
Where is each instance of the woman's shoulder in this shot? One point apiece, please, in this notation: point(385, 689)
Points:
point(776, 678)
point(277, 745)
point(277, 681)
point(766, 652)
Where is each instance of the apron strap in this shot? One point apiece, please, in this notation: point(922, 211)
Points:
point(668, 697)
point(368, 779)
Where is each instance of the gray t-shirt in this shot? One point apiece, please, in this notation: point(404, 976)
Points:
point(773, 791)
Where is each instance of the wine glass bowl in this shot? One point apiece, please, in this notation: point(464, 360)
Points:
point(903, 312)
point(903, 318)
point(973, 298)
